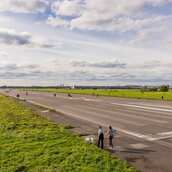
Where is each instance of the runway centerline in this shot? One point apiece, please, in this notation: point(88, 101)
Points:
point(143, 107)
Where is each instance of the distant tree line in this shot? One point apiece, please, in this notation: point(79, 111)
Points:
point(162, 88)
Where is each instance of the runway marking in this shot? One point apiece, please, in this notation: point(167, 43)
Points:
point(119, 148)
point(94, 100)
point(151, 105)
point(45, 111)
point(165, 133)
point(160, 136)
point(82, 98)
point(143, 107)
point(139, 145)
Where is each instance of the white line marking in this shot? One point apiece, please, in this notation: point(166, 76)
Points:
point(45, 111)
point(143, 107)
point(151, 105)
point(72, 98)
point(139, 145)
point(161, 137)
point(93, 100)
point(165, 133)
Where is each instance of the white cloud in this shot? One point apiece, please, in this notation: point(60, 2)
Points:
point(99, 64)
point(97, 58)
point(67, 8)
point(121, 24)
point(11, 37)
point(4, 20)
point(145, 36)
point(23, 6)
point(57, 21)
point(3, 54)
point(59, 71)
point(105, 15)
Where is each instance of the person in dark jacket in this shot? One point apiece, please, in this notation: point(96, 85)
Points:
point(101, 137)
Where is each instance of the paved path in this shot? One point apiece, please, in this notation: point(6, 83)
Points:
point(144, 126)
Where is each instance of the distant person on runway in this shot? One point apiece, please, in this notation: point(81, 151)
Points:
point(101, 137)
point(162, 97)
point(111, 133)
point(69, 95)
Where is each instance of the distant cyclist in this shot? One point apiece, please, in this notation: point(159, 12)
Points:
point(69, 95)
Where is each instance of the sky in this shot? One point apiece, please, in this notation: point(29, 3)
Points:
point(85, 42)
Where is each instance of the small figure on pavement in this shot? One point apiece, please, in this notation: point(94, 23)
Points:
point(69, 95)
point(101, 137)
point(162, 97)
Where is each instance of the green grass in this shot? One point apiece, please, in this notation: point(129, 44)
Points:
point(114, 93)
point(30, 142)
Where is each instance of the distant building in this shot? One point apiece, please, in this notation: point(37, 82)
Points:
point(73, 87)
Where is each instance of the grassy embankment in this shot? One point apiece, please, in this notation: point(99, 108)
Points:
point(30, 142)
point(115, 93)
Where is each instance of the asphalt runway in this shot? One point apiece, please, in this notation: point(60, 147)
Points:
point(140, 123)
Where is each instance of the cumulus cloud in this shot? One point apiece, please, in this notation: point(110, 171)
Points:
point(58, 71)
point(24, 75)
point(4, 20)
point(100, 64)
point(145, 36)
point(57, 22)
point(11, 37)
point(120, 24)
point(14, 66)
point(23, 6)
point(67, 8)
point(23, 70)
point(3, 54)
point(108, 15)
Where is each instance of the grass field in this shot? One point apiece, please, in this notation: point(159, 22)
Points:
point(30, 142)
point(115, 93)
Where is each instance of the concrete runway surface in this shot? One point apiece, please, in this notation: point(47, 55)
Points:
point(144, 126)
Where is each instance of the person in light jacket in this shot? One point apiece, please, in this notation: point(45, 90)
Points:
point(111, 133)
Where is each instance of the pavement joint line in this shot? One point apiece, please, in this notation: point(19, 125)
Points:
point(143, 107)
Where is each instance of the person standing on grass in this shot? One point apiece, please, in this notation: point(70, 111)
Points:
point(101, 137)
point(111, 134)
